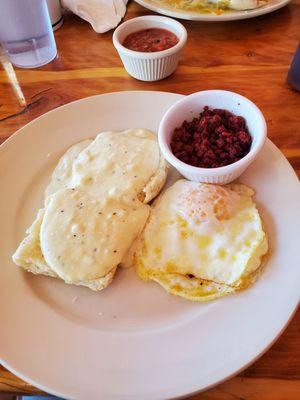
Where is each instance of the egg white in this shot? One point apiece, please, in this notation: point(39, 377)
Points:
point(202, 240)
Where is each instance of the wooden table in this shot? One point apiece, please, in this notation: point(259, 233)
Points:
point(251, 57)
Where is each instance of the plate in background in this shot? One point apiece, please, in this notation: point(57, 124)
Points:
point(230, 15)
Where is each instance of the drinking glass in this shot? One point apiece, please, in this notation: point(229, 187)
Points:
point(26, 32)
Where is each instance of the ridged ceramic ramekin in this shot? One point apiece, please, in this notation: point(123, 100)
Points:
point(155, 65)
point(189, 107)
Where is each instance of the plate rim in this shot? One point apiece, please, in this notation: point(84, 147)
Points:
point(13, 136)
point(45, 389)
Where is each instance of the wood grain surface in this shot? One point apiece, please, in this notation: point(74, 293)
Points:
point(251, 57)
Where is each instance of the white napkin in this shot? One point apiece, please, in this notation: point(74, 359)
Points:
point(103, 15)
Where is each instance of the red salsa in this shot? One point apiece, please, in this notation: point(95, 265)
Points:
point(150, 40)
point(215, 139)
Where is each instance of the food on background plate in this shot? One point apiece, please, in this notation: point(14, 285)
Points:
point(215, 139)
point(217, 6)
point(202, 241)
point(244, 4)
point(95, 206)
point(150, 40)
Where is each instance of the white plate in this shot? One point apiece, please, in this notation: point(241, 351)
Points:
point(231, 15)
point(133, 341)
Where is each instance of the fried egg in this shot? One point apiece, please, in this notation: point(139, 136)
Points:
point(202, 241)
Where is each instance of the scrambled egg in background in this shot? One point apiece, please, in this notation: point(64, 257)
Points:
point(213, 5)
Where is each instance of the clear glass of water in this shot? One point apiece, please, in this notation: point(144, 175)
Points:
point(26, 32)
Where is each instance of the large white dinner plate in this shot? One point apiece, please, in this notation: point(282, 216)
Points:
point(230, 15)
point(132, 340)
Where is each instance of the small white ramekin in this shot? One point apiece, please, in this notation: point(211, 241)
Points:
point(189, 107)
point(155, 65)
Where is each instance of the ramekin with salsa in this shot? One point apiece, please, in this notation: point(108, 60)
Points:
point(150, 40)
point(150, 46)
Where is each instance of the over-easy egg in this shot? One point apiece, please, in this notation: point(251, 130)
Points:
point(202, 241)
